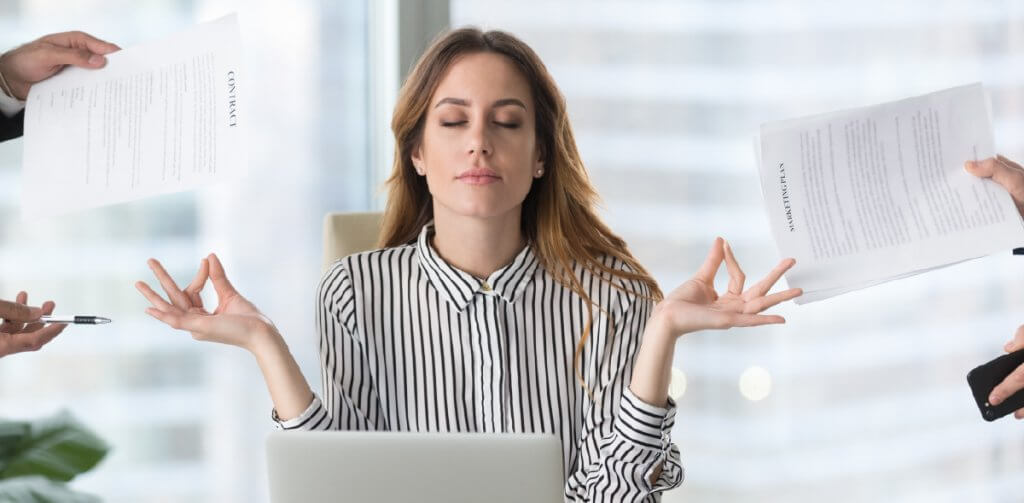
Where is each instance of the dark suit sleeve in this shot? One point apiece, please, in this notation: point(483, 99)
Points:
point(11, 127)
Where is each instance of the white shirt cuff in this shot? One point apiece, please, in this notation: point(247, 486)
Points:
point(301, 420)
point(10, 106)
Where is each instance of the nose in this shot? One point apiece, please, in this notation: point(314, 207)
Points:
point(479, 143)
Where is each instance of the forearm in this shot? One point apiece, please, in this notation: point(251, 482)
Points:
point(652, 370)
point(635, 454)
point(288, 388)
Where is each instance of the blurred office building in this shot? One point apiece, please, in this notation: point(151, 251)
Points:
point(857, 398)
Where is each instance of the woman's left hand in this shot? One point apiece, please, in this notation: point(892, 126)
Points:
point(695, 305)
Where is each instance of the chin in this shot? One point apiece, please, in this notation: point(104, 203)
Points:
point(480, 211)
point(481, 208)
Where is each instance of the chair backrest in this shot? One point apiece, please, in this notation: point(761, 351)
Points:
point(348, 233)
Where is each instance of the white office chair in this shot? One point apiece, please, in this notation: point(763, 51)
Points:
point(348, 233)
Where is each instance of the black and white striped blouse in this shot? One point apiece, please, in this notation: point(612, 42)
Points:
point(410, 343)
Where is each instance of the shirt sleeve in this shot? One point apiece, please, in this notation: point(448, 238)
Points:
point(624, 439)
point(349, 401)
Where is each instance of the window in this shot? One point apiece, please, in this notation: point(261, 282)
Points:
point(867, 399)
point(187, 420)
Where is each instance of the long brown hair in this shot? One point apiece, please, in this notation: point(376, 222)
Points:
point(558, 215)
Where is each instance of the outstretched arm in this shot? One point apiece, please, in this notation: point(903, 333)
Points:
point(235, 321)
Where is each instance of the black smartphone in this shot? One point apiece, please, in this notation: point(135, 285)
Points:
point(985, 377)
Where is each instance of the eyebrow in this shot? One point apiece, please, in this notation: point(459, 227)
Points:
point(465, 103)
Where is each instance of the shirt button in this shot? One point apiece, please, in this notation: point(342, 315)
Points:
point(485, 286)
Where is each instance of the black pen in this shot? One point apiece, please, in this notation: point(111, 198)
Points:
point(76, 320)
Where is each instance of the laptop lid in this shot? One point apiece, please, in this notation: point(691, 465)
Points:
point(393, 467)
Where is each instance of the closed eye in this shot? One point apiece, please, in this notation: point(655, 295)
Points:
point(509, 125)
point(452, 123)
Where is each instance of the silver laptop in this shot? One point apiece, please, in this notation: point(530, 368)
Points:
point(390, 467)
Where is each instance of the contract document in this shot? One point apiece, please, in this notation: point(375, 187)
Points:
point(157, 118)
point(868, 195)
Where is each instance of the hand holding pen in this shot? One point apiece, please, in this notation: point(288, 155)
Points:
point(21, 329)
point(26, 328)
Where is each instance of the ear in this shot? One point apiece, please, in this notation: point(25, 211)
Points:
point(539, 164)
point(417, 158)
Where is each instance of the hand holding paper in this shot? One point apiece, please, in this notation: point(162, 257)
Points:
point(158, 118)
point(868, 195)
point(38, 60)
point(1004, 172)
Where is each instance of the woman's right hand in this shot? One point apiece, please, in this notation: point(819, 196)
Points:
point(235, 321)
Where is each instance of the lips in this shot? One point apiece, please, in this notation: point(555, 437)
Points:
point(478, 176)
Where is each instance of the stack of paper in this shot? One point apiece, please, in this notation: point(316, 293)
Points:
point(868, 195)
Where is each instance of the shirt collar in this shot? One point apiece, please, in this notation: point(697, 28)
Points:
point(458, 287)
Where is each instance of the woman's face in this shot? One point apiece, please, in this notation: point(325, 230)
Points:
point(479, 149)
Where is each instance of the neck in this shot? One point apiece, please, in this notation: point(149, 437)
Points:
point(478, 246)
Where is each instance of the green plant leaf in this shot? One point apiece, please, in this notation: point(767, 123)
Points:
point(11, 435)
point(58, 448)
point(36, 489)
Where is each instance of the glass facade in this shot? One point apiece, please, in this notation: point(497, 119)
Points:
point(857, 398)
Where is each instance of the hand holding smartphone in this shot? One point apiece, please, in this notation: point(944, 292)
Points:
point(984, 378)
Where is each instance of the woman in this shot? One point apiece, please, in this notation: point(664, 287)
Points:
point(500, 301)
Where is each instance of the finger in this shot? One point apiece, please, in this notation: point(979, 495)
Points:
point(753, 320)
point(762, 287)
point(16, 311)
point(174, 294)
point(1009, 163)
point(220, 278)
point(47, 308)
point(707, 271)
point(1017, 343)
point(10, 325)
point(176, 321)
point(761, 303)
point(193, 289)
point(736, 276)
point(153, 297)
point(171, 319)
point(1012, 384)
point(1011, 179)
point(56, 56)
point(78, 39)
point(1019, 414)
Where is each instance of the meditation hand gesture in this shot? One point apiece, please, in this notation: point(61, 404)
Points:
point(235, 321)
point(695, 305)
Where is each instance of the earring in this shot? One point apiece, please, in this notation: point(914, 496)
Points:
point(540, 172)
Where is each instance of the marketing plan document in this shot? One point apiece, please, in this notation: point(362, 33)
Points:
point(160, 117)
point(868, 195)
